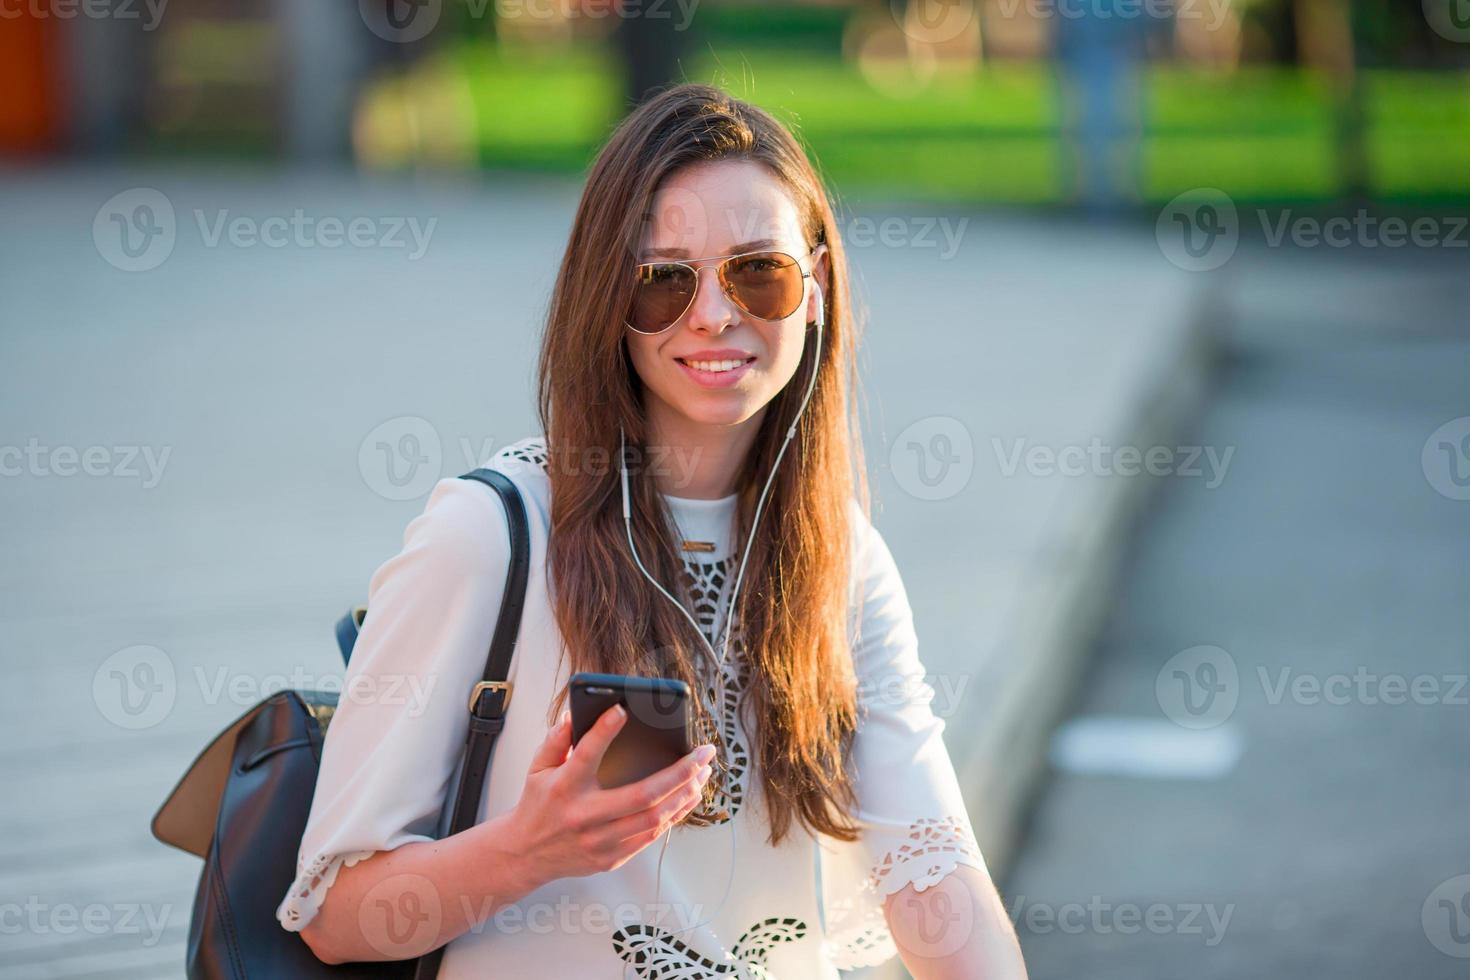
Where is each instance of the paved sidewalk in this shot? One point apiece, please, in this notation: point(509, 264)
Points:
point(261, 372)
point(1319, 596)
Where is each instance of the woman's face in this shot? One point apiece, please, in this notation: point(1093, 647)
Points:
point(717, 209)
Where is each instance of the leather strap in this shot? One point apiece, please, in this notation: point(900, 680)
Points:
point(347, 629)
point(487, 711)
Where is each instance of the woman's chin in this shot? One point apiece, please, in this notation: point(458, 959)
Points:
point(722, 411)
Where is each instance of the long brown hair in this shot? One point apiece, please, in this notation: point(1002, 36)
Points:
point(794, 607)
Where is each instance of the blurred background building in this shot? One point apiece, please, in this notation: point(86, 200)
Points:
point(1036, 101)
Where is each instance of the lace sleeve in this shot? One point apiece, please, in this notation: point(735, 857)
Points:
point(397, 735)
point(915, 829)
point(314, 876)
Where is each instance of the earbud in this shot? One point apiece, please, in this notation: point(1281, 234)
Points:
point(821, 320)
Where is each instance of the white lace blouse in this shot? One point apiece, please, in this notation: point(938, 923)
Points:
point(803, 909)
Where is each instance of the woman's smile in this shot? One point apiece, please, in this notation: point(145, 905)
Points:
point(716, 368)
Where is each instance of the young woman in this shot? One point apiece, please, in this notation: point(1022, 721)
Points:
point(701, 320)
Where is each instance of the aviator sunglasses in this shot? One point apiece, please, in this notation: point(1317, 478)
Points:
point(766, 284)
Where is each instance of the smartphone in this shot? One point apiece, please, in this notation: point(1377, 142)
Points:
point(656, 733)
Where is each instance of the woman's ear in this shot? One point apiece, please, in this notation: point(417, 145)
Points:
point(821, 269)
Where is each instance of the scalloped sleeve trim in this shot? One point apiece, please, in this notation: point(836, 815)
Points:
point(309, 890)
point(859, 935)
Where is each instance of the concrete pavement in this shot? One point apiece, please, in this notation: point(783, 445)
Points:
point(231, 395)
point(1306, 614)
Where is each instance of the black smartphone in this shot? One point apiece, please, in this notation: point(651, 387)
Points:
point(656, 734)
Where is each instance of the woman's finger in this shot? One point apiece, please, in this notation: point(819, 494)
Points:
point(587, 754)
point(651, 790)
point(638, 829)
point(553, 750)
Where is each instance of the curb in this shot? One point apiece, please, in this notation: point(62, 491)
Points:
point(1002, 762)
point(1001, 751)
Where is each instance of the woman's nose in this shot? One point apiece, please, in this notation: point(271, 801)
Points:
point(712, 310)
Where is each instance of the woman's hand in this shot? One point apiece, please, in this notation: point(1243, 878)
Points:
point(566, 825)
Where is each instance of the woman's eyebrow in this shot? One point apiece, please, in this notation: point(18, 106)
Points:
point(680, 253)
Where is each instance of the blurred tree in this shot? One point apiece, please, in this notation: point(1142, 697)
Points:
point(653, 41)
point(1325, 35)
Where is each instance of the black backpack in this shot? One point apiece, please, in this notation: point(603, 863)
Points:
point(242, 805)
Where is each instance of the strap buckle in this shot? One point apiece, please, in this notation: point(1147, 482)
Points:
point(480, 688)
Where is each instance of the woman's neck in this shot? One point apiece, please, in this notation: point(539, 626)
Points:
point(698, 460)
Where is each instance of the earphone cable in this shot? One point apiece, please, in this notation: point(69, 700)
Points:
point(720, 656)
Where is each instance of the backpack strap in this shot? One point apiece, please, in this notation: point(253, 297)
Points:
point(350, 625)
point(490, 697)
point(347, 629)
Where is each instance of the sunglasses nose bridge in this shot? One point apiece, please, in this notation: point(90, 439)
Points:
point(722, 284)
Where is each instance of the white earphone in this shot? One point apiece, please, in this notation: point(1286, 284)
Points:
point(719, 658)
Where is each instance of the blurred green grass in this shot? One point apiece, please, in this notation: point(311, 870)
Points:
point(996, 134)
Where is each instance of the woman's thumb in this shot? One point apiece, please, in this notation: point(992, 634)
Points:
point(553, 751)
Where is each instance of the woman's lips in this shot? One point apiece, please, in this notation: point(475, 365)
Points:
point(715, 379)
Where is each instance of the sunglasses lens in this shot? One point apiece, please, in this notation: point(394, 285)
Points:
point(660, 296)
point(766, 284)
